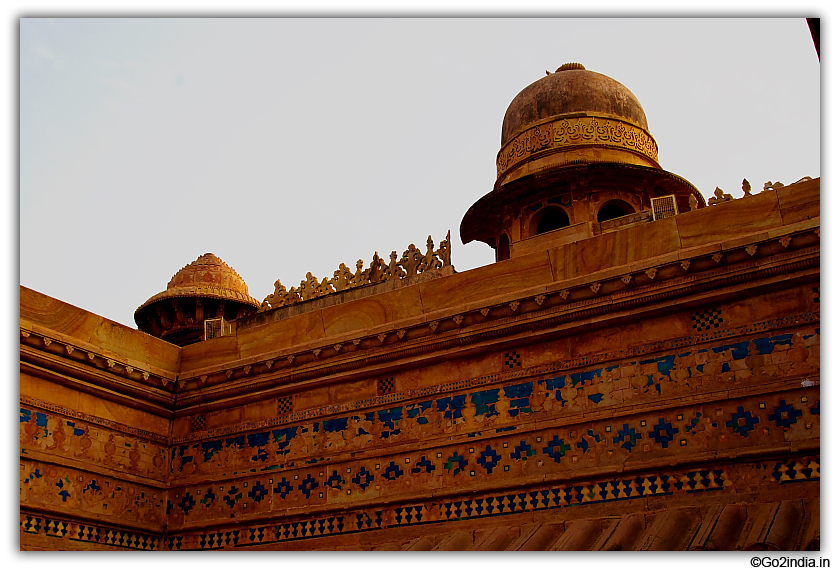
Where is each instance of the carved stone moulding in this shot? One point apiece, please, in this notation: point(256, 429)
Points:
point(91, 359)
point(582, 293)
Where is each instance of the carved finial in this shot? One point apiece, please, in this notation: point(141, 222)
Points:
point(394, 271)
point(445, 252)
point(746, 187)
point(360, 277)
point(692, 202)
point(413, 261)
point(341, 278)
point(375, 272)
point(720, 197)
point(570, 66)
point(430, 260)
point(325, 288)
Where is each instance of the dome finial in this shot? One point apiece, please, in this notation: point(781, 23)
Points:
point(569, 66)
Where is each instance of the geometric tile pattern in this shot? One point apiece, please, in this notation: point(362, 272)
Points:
point(707, 319)
point(513, 360)
point(198, 422)
point(52, 527)
point(701, 429)
point(385, 386)
point(797, 470)
point(562, 365)
point(660, 484)
point(667, 375)
point(284, 405)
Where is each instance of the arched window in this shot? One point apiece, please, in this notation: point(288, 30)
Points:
point(614, 209)
point(503, 252)
point(549, 219)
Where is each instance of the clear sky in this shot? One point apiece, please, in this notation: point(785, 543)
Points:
point(293, 145)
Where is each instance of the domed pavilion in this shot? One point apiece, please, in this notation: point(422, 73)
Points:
point(576, 152)
point(206, 288)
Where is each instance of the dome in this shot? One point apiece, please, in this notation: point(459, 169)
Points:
point(571, 117)
point(571, 89)
point(206, 288)
point(572, 141)
point(210, 277)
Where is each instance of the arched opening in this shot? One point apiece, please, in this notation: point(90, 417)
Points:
point(614, 209)
point(549, 219)
point(503, 251)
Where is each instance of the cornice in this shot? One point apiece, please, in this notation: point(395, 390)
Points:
point(94, 381)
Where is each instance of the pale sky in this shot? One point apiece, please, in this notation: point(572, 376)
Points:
point(293, 145)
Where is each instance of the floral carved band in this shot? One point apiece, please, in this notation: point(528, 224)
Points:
point(576, 131)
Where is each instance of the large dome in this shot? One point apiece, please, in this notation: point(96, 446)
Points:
point(573, 143)
point(572, 89)
point(571, 117)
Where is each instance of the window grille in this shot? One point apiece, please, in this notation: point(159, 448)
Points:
point(217, 327)
point(664, 207)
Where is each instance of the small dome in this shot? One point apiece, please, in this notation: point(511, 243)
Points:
point(208, 276)
point(206, 288)
point(571, 89)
